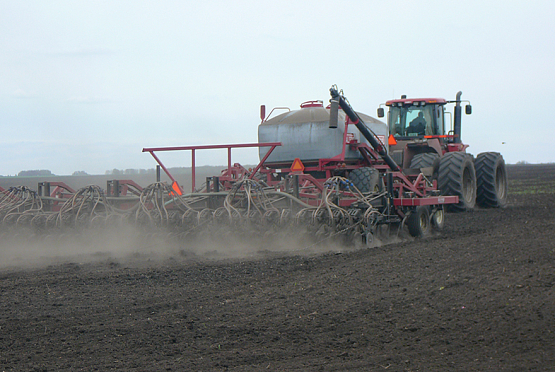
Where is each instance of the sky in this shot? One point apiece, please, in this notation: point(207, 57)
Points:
point(86, 85)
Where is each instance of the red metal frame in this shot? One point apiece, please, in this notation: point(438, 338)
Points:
point(230, 173)
point(127, 187)
point(61, 193)
point(416, 188)
point(61, 189)
point(434, 200)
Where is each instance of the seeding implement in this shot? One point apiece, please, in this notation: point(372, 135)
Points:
point(325, 172)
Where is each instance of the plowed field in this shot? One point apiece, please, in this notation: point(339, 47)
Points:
point(478, 297)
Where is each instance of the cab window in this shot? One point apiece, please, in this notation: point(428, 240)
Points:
point(412, 121)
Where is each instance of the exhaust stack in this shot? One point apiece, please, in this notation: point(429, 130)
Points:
point(457, 117)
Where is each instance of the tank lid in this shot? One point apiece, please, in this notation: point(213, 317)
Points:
point(308, 104)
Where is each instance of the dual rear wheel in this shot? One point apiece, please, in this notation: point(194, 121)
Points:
point(482, 181)
point(491, 180)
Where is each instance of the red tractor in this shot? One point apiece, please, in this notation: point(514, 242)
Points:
point(421, 140)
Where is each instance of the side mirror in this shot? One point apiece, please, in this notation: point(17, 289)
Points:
point(334, 111)
point(381, 113)
point(468, 109)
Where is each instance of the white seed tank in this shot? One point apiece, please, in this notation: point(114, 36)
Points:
point(305, 134)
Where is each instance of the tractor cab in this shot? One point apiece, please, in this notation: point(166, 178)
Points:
point(419, 126)
point(409, 118)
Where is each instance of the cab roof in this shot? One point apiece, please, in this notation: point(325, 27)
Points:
point(411, 101)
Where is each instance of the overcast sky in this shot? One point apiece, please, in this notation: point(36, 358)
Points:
point(85, 85)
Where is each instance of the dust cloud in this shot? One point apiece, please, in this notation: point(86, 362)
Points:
point(22, 248)
point(131, 245)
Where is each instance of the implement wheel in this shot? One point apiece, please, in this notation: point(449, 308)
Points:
point(366, 179)
point(419, 222)
point(457, 176)
point(491, 179)
point(438, 219)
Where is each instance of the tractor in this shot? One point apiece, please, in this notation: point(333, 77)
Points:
point(421, 140)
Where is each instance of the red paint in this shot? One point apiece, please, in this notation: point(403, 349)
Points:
point(410, 101)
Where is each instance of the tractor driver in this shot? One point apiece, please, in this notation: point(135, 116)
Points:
point(418, 125)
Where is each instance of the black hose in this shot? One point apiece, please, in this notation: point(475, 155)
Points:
point(366, 132)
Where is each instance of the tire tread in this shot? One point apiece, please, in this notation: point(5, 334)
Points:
point(450, 179)
point(424, 160)
point(486, 172)
point(365, 179)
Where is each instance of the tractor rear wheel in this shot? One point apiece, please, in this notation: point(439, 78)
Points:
point(491, 179)
point(366, 179)
point(457, 176)
point(419, 222)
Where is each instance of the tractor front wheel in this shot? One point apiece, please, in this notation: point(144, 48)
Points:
point(424, 160)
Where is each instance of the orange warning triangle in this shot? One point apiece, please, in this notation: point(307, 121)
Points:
point(297, 166)
point(391, 140)
point(176, 188)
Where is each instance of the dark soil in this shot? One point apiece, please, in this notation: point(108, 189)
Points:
point(478, 297)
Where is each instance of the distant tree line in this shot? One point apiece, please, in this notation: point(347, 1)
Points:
point(130, 172)
point(173, 170)
point(35, 173)
point(117, 172)
point(79, 173)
